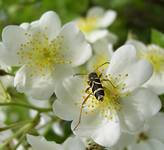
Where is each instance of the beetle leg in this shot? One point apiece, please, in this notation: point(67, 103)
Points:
point(81, 109)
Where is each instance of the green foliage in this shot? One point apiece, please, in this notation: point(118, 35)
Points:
point(157, 37)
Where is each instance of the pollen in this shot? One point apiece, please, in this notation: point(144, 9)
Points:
point(110, 105)
point(91, 145)
point(40, 54)
point(87, 24)
point(142, 137)
point(155, 55)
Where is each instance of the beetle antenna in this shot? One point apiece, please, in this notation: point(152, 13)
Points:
point(79, 74)
point(107, 62)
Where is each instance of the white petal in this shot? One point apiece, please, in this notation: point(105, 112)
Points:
point(25, 25)
point(102, 134)
point(40, 143)
point(73, 143)
point(50, 24)
point(68, 92)
point(124, 61)
point(137, 44)
point(96, 35)
point(107, 19)
point(65, 88)
point(156, 83)
point(7, 57)
point(125, 140)
point(66, 111)
point(138, 107)
point(96, 61)
point(95, 12)
point(103, 53)
point(74, 45)
point(36, 86)
point(62, 71)
point(102, 131)
point(12, 37)
point(147, 145)
point(103, 46)
point(156, 127)
point(140, 146)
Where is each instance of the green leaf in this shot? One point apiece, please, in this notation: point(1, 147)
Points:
point(157, 37)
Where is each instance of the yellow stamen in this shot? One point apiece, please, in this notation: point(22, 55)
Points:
point(87, 24)
point(40, 54)
point(155, 55)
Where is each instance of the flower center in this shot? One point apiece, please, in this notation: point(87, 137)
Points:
point(40, 54)
point(91, 145)
point(113, 87)
point(142, 137)
point(87, 24)
point(155, 56)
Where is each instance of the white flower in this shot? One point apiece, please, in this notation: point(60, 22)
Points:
point(124, 103)
point(103, 51)
point(40, 48)
point(151, 137)
point(155, 55)
point(40, 143)
point(95, 24)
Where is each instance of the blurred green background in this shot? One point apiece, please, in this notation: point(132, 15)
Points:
point(135, 16)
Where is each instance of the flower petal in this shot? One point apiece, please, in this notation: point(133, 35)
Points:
point(8, 37)
point(11, 44)
point(25, 25)
point(151, 144)
point(103, 46)
point(66, 111)
point(107, 19)
point(138, 107)
point(99, 129)
point(108, 129)
point(124, 61)
point(73, 143)
point(74, 45)
point(50, 24)
point(40, 143)
point(36, 86)
point(156, 83)
point(5, 56)
point(156, 128)
point(103, 53)
point(68, 92)
point(62, 72)
point(137, 44)
point(69, 85)
point(125, 140)
point(96, 35)
point(95, 12)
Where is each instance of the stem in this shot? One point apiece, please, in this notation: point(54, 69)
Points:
point(14, 136)
point(22, 131)
point(14, 125)
point(26, 106)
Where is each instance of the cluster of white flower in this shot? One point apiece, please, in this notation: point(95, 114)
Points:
point(111, 96)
